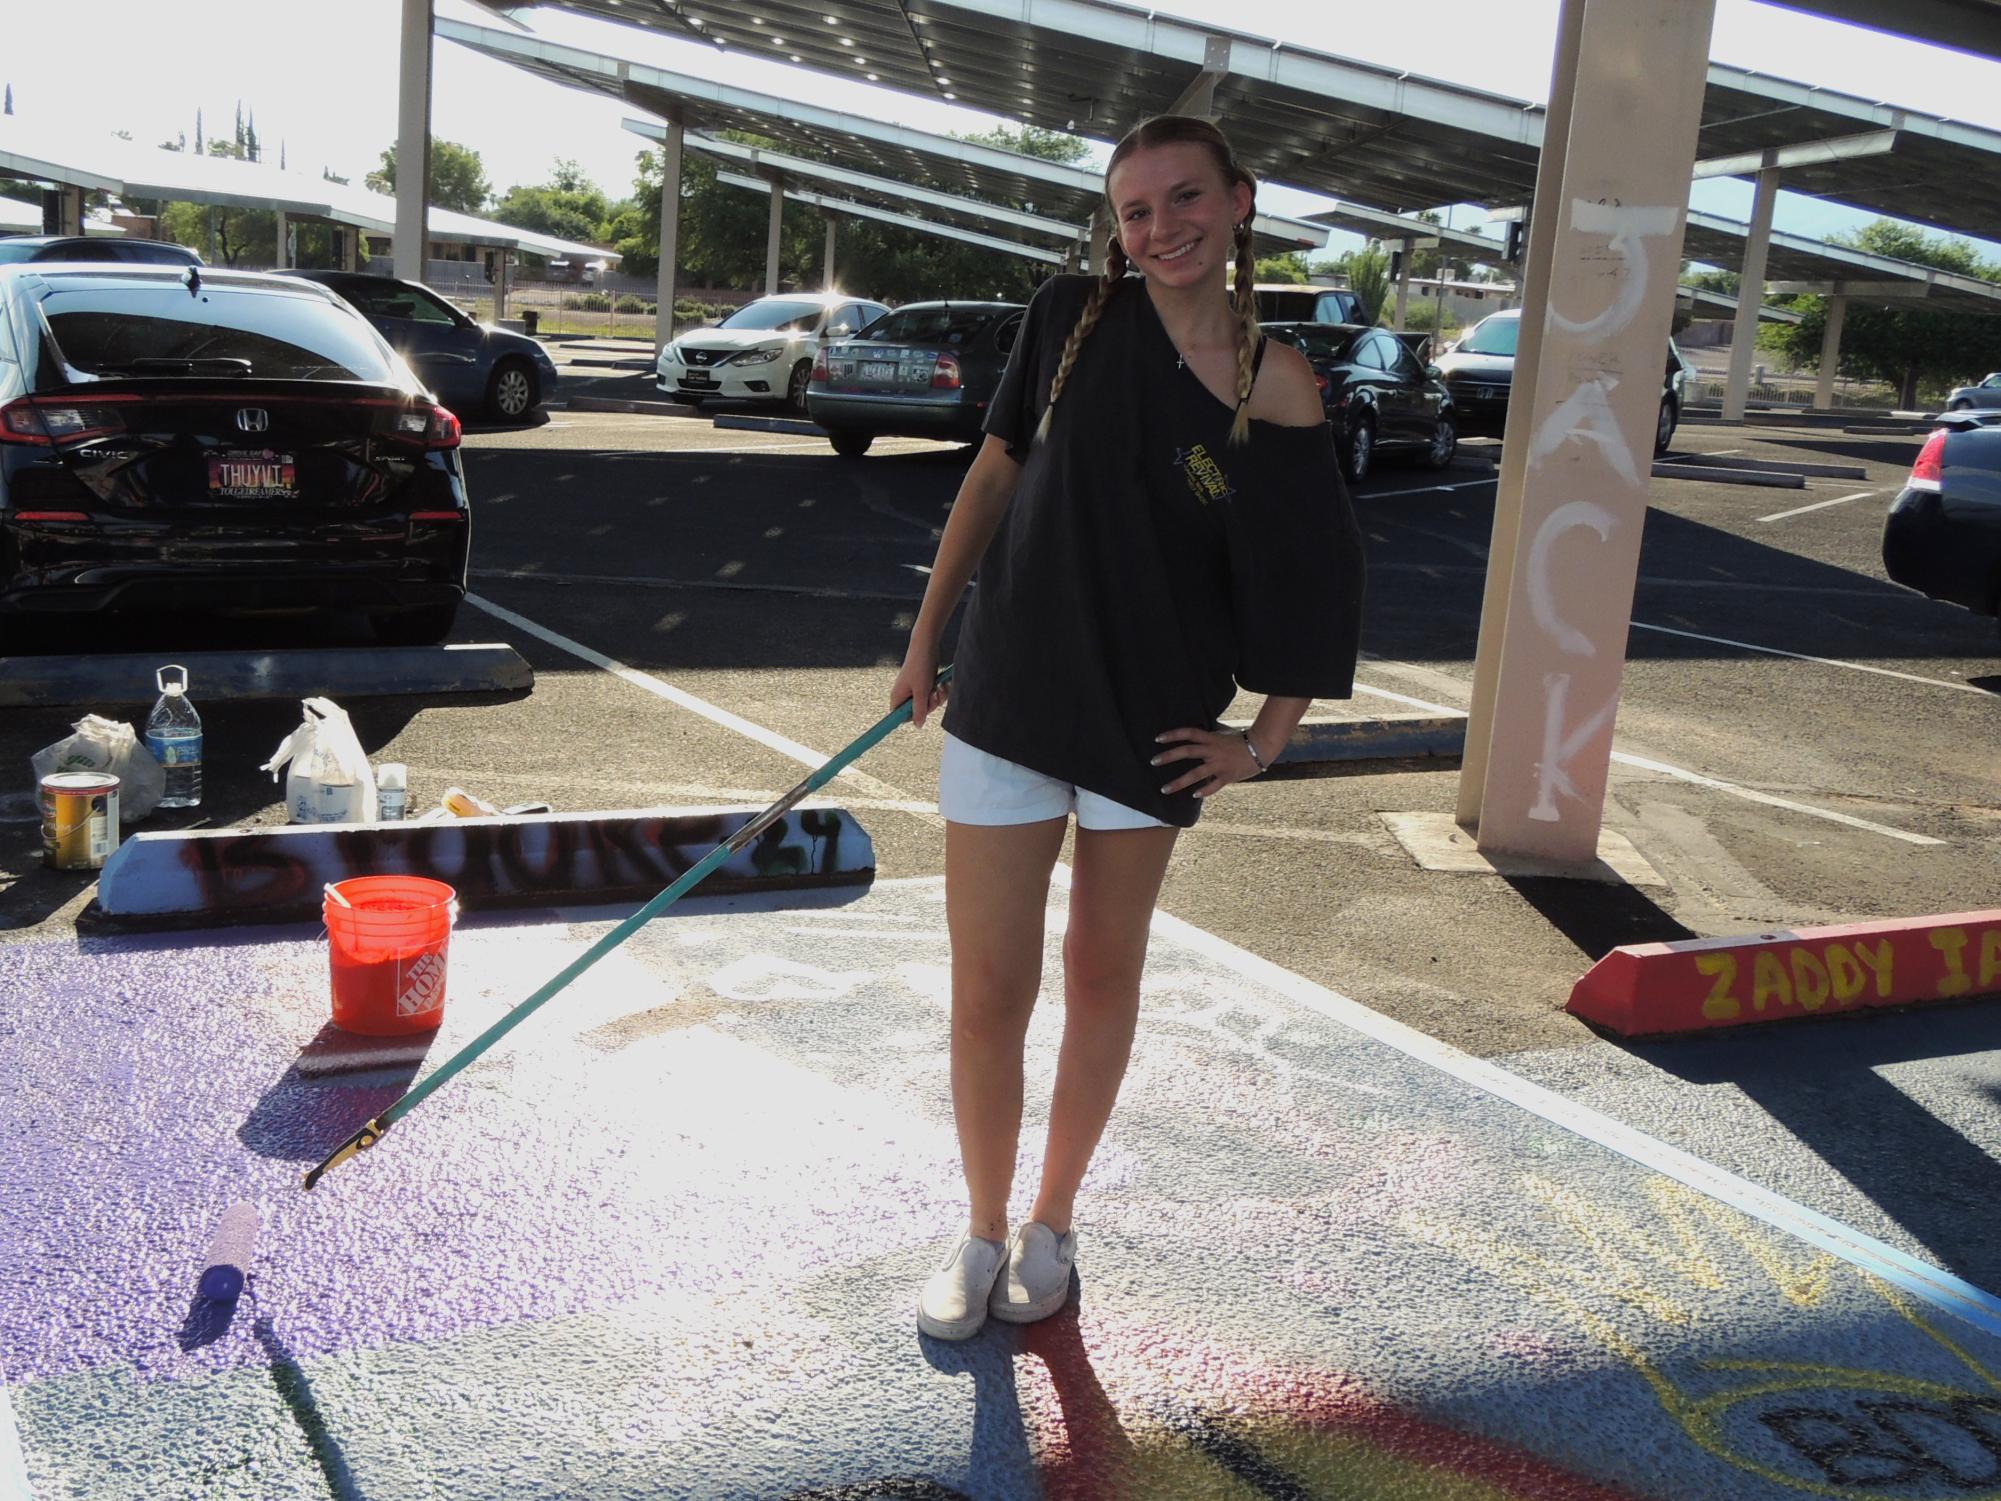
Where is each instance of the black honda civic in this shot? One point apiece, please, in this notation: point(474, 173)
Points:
point(220, 441)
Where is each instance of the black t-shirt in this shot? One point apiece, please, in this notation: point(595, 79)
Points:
point(1145, 568)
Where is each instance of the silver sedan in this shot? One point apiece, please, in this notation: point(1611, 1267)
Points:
point(1986, 394)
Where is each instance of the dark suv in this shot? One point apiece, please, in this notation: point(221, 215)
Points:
point(218, 441)
point(1479, 371)
point(74, 248)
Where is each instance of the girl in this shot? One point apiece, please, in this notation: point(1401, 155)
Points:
point(1157, 518)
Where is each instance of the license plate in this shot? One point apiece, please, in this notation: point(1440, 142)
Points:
point(693, 378)
point(878, 370)
point(253, 474)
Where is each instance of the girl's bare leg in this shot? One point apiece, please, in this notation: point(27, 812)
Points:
point(996, 892)
point(1112, 893)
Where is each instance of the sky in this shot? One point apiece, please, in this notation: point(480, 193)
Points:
point(322, 81)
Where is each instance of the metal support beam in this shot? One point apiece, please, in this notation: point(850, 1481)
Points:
point(413, 140)
point(69, 210)
point(1604, 249)
point(1199, 98)
point(350, 247)
point(502, 262)
point(1101, 239)
point(827, 276)
point(1404, 258)
point(774, 234)
point(278, 256)
point(1805, 154)
point(1830, 352)
point(670, 230)
point(1750, 293)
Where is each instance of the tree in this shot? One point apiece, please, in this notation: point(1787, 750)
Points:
point(10, 101)
point(242, 236)
point(569, 206)
point(1905, 346)
point(1369, 275)
point(1032, 140)
point(1287, 268)
point(458, 177)
point(200, 150)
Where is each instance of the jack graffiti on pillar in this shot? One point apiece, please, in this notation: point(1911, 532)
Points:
point(1952, 1444)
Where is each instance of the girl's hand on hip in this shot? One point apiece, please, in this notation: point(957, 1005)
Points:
point(1220, 757)
point(917, 681)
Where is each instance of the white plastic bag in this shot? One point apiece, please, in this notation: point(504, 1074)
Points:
point(330, 780)
point(108, 745)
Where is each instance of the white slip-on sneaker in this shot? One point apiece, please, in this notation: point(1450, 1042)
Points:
point(1036, 1280)
point(953, 1304)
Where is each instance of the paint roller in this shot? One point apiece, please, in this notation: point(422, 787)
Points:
point(374, 1130)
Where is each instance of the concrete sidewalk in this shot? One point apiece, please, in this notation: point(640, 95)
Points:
point(665, 1242)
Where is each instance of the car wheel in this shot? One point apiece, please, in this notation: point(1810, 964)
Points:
point(1664, 425)
point(511, 396)
point(424, 626)
point(795, 389)
point(1361, 450)
point(851, 445)
point(1444, 444)
point(1961, 405)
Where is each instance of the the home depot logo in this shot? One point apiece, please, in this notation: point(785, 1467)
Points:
point(423, 986)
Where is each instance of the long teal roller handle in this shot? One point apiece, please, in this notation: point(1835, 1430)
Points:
point(431, 1083)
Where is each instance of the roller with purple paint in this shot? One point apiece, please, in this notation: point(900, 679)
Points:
point(229, 1251)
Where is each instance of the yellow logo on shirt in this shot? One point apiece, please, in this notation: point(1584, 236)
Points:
point(1205, 477)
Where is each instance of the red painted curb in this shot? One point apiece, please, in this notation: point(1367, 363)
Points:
point(1661, 989)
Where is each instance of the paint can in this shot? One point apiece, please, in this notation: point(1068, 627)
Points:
point(79, 819)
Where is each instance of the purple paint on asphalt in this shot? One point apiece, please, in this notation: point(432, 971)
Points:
point(154, 1087)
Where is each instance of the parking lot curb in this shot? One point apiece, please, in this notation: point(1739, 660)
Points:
point(231, 876)
point(1717, 474)
point(1702, 984)
point(214, 676)
point(1769, 466)
point(796, 425)
point(1394, 737)
point(626, 404)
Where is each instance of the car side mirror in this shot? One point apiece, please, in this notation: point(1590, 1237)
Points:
point(1432, 372)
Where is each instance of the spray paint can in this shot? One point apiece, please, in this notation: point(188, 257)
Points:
point(392, 792)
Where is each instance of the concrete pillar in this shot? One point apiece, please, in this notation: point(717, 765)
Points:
point(1101, 239)
point(209, 254)
point(774, 234)
point(1073, 257)
point(350, 248)
point(413, 140)
point(827, 277)
point(1604, 250)
point(1404, 258)
point(278, 255)
point(1830, 352)
point(502, 261)
point(69, 210)
point(1750, 294)
point(670, 230)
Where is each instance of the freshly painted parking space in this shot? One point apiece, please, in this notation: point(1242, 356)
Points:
point(664, 1243)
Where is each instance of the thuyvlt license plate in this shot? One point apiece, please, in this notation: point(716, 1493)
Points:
point(878, 370)
point(253, 475)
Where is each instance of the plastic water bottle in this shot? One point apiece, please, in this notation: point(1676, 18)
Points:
point(173, 735)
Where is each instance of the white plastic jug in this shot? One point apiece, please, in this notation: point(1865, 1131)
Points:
point(330, 780)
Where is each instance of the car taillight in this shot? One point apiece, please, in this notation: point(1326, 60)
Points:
point(945, 374)
point(1928, 473)
point(819, 367)
point(434, 427)
point(1322, 382)
point(48, 423)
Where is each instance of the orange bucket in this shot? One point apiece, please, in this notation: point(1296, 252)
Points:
point(388, 946)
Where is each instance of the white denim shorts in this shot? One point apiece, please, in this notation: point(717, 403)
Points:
point(977, 788)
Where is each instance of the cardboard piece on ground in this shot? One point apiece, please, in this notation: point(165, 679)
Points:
point(1436, 842)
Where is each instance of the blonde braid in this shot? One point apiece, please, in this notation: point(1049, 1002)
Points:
point(1115, 272)
point(1247, 332)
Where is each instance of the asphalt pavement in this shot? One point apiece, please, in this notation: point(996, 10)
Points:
point(665, 1244)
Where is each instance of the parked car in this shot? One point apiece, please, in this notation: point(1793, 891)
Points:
point(15, 249)
point(1377, 395)
point(927, 370)
point(1971, 398)
point(1943, 534)
point(474, 368)
point(763, 351)
point(1282, 302)
point(1479, 371)
point(221, 441)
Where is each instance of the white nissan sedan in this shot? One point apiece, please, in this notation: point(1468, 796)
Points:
point(763, 351)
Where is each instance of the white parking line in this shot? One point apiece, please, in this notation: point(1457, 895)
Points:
point(1696, 778)
point(810, 591)
point(1818, 505)
point(804, 755)
point(1773, 651)
point(1464, 484)
point(13, 1464)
